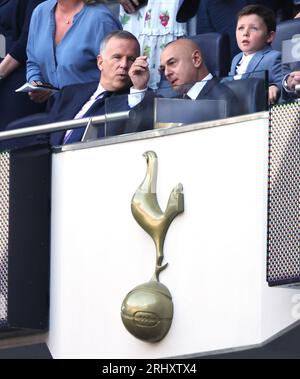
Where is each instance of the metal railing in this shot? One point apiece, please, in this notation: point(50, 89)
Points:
point(63, 125)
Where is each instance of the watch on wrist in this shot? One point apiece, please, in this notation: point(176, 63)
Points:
point(285, 85)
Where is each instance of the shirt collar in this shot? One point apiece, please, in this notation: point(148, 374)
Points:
point(100, 89)
point(197, 87)
point(247, 58)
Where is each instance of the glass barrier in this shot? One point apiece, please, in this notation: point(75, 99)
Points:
point(185, 104)
point(169, 106)
point(291, 68)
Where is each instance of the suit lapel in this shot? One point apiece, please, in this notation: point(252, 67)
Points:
point(69, 103)
point(73, 100)
point(234, 63)
point(206, 89)
point(77, 98)
point(255, 61)
point(2, 2)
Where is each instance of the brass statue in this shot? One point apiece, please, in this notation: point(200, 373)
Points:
point(147, 310)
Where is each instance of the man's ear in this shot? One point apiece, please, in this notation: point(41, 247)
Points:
point(99, 61)
point(271, 36)
point(197, 58)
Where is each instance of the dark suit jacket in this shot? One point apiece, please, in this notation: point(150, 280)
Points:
point(214, 90)
point(70, 100)
point(187, 10)
point(14, 24)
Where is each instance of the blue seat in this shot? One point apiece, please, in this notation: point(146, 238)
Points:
point(285, 30)
point(216, 52)
point(251, 93)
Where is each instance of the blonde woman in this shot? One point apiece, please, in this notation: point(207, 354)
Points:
point(63, 42)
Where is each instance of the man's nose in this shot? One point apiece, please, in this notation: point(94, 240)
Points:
point(124, 62)
point(167, 72)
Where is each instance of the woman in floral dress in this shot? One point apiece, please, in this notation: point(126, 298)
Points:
point(154, 25)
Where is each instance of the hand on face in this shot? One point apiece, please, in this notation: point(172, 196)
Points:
point(115, 63)
point(139, 73)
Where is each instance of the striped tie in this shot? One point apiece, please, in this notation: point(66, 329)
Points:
point(75, 135)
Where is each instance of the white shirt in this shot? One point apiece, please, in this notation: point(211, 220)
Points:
point(193, 92)
point(96, 95)
point(241, 67)
point(134, 98)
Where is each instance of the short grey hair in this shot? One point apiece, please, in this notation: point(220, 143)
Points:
point(121, 34)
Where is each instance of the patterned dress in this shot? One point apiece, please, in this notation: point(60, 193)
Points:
point(154, 25)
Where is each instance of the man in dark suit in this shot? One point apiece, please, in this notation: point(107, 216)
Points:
point(124, 75)
point(183, 65)
point(123, 84)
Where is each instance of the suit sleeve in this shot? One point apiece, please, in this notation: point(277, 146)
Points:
point(204, 24)
point(187, 10)
point(286, 70)
point(33, 71)
point(234, 62)
point(275, 73)
point(141, 117)
point(18, 51)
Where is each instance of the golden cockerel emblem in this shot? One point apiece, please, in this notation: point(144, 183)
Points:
point(147, 310)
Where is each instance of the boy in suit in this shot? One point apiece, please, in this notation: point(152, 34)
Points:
point(256, 26)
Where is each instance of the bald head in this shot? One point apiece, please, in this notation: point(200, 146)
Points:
point(186, 45)
point(182, 63)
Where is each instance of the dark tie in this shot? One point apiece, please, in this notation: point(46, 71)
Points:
point(237, 66)
point(97, 109)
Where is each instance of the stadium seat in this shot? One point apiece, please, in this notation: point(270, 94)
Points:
point(216, 51)
point(285, 30)
point(252, 94)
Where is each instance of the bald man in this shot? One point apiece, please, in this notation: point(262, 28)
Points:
point(183, 65)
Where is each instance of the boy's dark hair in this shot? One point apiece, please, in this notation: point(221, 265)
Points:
point(265, 13)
